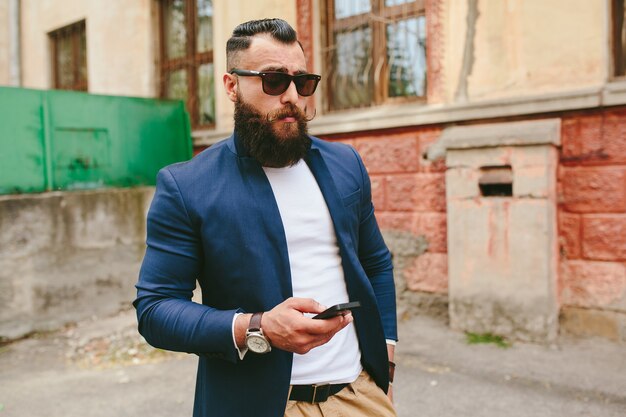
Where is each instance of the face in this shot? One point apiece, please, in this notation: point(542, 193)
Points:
point(267, 54)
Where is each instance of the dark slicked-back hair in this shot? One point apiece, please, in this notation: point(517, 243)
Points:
point(241, 38)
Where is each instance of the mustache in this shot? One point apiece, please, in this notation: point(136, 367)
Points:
point(291, 110)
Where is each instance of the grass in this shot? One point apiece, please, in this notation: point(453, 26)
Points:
point(486, 338)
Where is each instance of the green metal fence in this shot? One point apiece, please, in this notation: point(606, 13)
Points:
point(63, 140)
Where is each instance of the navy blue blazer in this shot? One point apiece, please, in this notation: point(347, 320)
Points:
point(214, 220)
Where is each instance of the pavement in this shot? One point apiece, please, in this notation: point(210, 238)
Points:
point(102, 367)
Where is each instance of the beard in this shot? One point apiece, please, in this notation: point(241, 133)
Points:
point(274, 145)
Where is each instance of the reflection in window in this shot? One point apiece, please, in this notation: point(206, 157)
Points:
point(174, 29)
point(206, 94)
point(396, 2)
point(406, 53)
point(352, 80)
point(177, 85)
point(187, 57)
point(205, 26)
point(375, 52)
point(69, 57)
point(347, 8)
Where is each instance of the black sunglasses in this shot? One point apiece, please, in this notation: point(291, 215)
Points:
point(276, 83)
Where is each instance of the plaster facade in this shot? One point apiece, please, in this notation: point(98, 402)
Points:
point(525, 48)
point(4, 42)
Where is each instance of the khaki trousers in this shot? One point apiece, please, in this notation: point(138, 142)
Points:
point(362, 398)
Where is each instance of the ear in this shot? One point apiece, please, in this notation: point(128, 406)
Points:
point(230, 85)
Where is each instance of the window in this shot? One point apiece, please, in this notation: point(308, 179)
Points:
point(619, 37)
point(69, 57)
point(187, 57)
point(375, 52)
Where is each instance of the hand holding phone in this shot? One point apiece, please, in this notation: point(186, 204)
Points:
point(337, 309)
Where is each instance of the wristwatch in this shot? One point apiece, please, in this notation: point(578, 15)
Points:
point(255, 339)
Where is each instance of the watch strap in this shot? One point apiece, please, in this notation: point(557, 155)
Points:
point(255, 322)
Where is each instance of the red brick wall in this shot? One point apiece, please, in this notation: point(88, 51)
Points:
point(592, 209)
point(409, 196)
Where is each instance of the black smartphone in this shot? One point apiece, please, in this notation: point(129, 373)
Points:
point(337, 309)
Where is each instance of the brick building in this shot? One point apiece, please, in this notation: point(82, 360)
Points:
point(494, 131)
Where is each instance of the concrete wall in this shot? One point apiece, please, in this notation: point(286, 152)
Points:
point(68, 256)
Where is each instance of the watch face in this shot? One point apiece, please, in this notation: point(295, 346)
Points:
point(257, 343)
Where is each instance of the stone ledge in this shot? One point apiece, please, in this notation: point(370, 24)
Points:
point(524, 133)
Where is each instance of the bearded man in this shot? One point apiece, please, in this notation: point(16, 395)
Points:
point(275, 226)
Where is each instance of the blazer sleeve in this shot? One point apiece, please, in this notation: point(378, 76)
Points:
point(376, 258)
point(167, 317)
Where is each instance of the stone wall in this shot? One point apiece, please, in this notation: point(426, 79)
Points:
point(592, 217)
point(66, 256)
point(410, 201)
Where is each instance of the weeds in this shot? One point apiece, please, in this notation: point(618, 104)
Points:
point(484, 338)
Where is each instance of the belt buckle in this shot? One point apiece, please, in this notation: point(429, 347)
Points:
point(323, 389)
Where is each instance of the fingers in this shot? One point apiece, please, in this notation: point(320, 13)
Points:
point(304, 305)
point(287, 328)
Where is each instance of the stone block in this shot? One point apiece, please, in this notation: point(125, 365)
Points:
point(593, 189)
point(416, 192)
point(379, 192)
point(577, 132)
point(396, 221)
point(462, 183)
point(434, 227)
point(593, 284)
point(570, 237)
point(530, 319)
point(584, 322)
point(390, 154)
point(604, 237)
point(428, 273)
point(595, 139)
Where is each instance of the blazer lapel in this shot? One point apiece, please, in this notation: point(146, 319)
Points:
point(269, 223)
point(331, 195)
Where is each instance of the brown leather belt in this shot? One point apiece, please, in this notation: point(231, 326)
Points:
point(314, 393)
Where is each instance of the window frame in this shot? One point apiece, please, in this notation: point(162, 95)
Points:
point(190, 61)
point(73, 32)
point(382, 16)
point(618, 55)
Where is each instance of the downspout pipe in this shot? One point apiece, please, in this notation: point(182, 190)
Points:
point(15, 49)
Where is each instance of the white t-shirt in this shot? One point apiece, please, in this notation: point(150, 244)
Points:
point(316, 272)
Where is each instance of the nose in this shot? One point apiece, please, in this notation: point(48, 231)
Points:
point(290, 95)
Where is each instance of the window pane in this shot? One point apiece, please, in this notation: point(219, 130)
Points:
point(82, 57)
point(205, 25)
point(406, 51)
point(206, 95)
point(396, 2)
point(65, 61)
point(347, 8)
point(352, 83)
point(176, 87)
point(174, 29)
